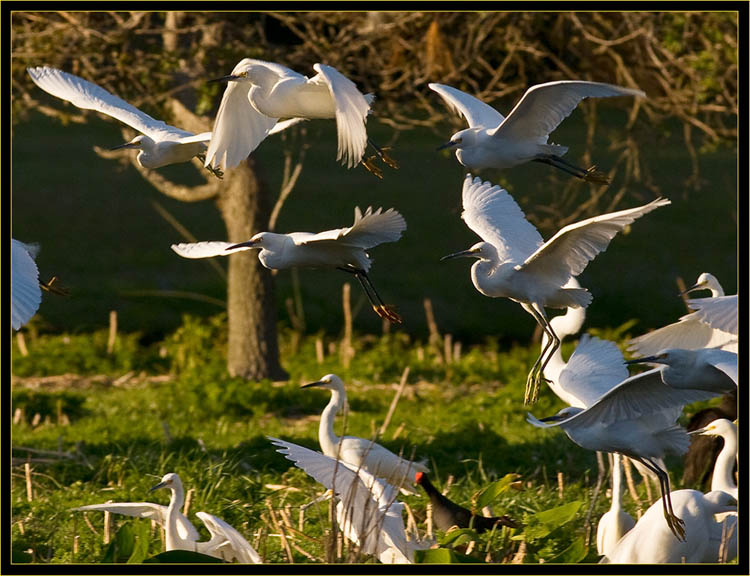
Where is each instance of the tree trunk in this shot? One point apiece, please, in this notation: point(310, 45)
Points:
point(253, 351)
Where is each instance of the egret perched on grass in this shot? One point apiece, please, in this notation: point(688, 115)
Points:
point(723, 478)
point(492, 141)
point(258, 93)
point(343, 248)
point(367, 511)
point(514, 261)
point(225, 543)
point(159, 143)
point(26, 291)
point(359, 452)
point(712, 324)
point(637, 418)
point(446, 513)
point(649, 542)
point(615, 522)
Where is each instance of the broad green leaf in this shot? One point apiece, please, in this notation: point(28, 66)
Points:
point(442, 556)
point(142, 531)
point(122, 546)
point(182, 557)
point(558, 516)
point(458, 537)
point(573, 554)
point(489, 494)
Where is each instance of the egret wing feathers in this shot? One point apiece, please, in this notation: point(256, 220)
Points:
point(226, 539)
point(689, 334)
point(595, 367)
point(149, 510)
point(351, 114)
point(476, 112)
point(89, 96)
point(495, 217)
point(544, 106)
point(720, 313)
point(568, 252)
point(26, 293)
point(722, 360)
point(202, 137)
point(369, 230)
point(206, 249)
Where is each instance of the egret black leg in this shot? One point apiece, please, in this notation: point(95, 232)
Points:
point(589, 175)
point(380, 307)
point(676, 525)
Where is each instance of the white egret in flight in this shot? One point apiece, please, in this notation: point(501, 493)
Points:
point(513, 261)
point(712, 324)
point(494, 141)
point(259, 93)
point(343, 248)
point(367, 510)
point(26, 291)
point(358, 452)
point(225, 543)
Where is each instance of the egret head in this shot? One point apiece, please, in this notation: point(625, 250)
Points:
point(260, 240)
point(170, 480)
point(669, 357)
point(719, 427)
point(462, 139)
point(705, 281)
point(329, 381)
point(480, 251)
point(137, 142)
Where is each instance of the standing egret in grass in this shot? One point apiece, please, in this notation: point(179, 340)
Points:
point(343, 248)
point(159, 143)
point(723, 478)
point(367, 511)
point(359, 452)
point(514, 261)
point(446, 513)
point(492, 141)
point(258, 93)
point(225, 543)
point(712, 324)
point(649, 542)
point(26, 291)
point(638, 418)
point(614, 523)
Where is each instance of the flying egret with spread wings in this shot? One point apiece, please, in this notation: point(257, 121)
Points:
point(225, 543)
point(259, 93)
point(494, 141)
point(514, 262)
point(343, 248)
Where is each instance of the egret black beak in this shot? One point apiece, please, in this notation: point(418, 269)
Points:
point(249, 243)
point(311, 384)
point(450, 144)
point(229, 78)
point(126, 145)
point(468, 252)
point(644, 360)
point(159, 485)
point(693, 288)
point(698, 431)
point(553, 418)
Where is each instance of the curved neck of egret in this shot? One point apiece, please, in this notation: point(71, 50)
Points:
point(176, 502)
point(616, 481)
point(722, 478)
point(327, 437)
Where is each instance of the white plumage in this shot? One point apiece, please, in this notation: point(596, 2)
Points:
point(25, 292)
point(259, 93)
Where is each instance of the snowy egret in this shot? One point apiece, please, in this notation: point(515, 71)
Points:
point(704, 369)
point(26, 291)
point(446, 513)
point(358, 452)
point(367, 510)
point(712, 324)
point(258, 93)
point(492, 141)
point(723, 478)
point(649, 542)
point(514, 261)
point(637, 418)
point(342, 248)
point(225, 543)
point(159, 143)
point(614, 523)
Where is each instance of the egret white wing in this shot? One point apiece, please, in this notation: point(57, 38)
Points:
point(202, 137)
point(284, 124)
point(544, 106)
point(476, 112)
point(689, 334)
point(568, 252)
point(369, 230)
point(89, 96)
point(720, 312)
point(494, 215)
point(206, 249)
point(150, 510)
point(26, 293)
point(595, 367)
point(722, 360)
point(351, 114)
point(228, 540)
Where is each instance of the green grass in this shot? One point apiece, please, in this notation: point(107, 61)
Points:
point(464, 418)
